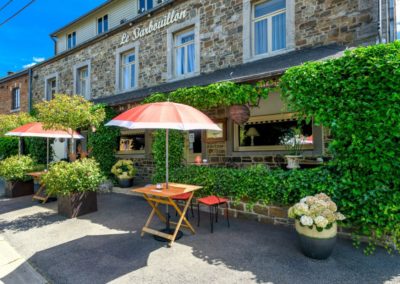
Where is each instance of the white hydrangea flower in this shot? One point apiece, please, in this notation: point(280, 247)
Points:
point(301, 209)
point(304, 200)
point(321, 222)
point(339, 216)
point(306, 221)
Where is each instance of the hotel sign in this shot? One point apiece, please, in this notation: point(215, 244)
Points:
point(153, 26)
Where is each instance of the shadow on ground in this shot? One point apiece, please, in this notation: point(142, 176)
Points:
point(269, 253)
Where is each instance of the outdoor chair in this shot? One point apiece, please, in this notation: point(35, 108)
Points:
point(213, 203)
point(184, 197)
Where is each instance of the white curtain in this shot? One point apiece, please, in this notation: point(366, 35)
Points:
point(191, 58)
point(279, 32)
point(261, 37)
point(180, 61)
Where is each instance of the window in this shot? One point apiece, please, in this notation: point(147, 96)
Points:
point(51, 88)
point(102, 24)
point(82, 82)
point(128, 71)
point(71, 40)
point(132, 142)
point(15, 99)
point(145, 5)
point(269, 26)
point(184, 53)
point(271, 132)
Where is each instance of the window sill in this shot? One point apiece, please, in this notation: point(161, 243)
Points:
point(267, 55)
point(119, 91)
point(269, 148)
point(15, 110)
point(183, 77)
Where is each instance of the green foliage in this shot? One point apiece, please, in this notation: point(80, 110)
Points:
point(11, 121)
point(69, 112)
point(214, 95)
point(258, 183)
point(15, 168)
point(80, 176)
point(8, 147)
point(124, 169)
point(176, 145)
point(37, 149)
point(104, 141)
point(357, 96)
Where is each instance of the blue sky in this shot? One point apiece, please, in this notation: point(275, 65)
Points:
point(25, 39)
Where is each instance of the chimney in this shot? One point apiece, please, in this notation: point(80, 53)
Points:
point(9, 73)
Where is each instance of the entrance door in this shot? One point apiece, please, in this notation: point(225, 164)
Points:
point(193, 145)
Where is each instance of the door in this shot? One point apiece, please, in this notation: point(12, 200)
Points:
point(193, 145)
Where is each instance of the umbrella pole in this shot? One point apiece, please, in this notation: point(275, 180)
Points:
point(19, 147)
point(166, 170)
point(48, 153)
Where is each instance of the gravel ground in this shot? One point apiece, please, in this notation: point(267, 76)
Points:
point(106, 247)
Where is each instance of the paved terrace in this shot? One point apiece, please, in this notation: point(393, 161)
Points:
point(106, 247)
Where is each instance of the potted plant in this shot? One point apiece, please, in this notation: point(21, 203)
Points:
point(125, 171)
point(316, 224)
point(76, 186)
point(14, 171)
point(293, 142)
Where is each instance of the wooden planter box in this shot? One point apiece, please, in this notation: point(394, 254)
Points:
point(77, 204)
point(18, 188)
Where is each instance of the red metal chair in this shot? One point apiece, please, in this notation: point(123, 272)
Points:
point(213, 202)
point(184, 197)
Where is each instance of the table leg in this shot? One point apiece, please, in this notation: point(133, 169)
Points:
point(154, 205)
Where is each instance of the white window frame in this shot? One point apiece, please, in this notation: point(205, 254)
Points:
point(248, 31)
point(185, 46)
point(175, 29)
point(77, 69)
point(120, 52)
point(102, 24)
point(73, 34)
point(17, 101)
point(142, 10)
point(48, 78)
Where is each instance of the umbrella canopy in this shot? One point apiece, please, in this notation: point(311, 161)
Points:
point(35, 129)
point(164, 115)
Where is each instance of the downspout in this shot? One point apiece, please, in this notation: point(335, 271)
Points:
point(387, 2)
point(30, 90)
point(54, 38)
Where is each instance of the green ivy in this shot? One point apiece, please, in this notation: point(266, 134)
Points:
point(175, 150)
point(214, 95)
point(357, 96)
point(104, 141)
point(8, 147)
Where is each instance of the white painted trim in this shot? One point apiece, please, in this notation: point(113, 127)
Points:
point(118, 53)
point(78, 66)
point(248, 54)
point(46, 79)
point(195, 22)
point(163, 125)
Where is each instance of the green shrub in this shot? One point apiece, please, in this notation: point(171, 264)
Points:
point(104, 142)
point(8, 147)
point(80, 176)
point(357, 96)
point(36, 147)
point(15, 168)
point(124, 168)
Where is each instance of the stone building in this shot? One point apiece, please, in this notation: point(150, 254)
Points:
point(123, 51)
point(14, 93)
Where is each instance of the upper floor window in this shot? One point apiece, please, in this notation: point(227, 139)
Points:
point(145, 5)
point(102, 24)
point(15, 99)
point(184, 52)
point(51, 88)
point(269, 26)
point(82, 82)
point(71, 40)
point(128, 70)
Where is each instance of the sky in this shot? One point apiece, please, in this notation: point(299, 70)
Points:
point(25, 39)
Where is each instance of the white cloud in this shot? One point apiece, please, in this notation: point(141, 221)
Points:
point(36, 60)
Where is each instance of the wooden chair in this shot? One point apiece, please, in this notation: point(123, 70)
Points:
point(213, 203)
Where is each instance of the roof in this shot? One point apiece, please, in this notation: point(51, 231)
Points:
point(15, 75)
point(82, 17)
point(256, 70)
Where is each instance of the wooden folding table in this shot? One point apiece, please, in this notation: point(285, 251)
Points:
point(155, 197)
point(41, 194)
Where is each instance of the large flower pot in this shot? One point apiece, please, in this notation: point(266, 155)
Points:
point(314, 244)
point(77, 204)
point(125, 182)
point(18, 188)
point(293, 161)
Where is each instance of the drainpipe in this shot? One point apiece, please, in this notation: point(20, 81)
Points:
point(55, 44)
point(387, 9)
point(380, 16)
point(30, 90)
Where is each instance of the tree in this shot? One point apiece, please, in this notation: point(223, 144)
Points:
point(69, 113)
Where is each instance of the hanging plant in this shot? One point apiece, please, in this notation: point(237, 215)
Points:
point(240, 114)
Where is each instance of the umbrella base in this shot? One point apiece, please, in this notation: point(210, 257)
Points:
point(170, 232)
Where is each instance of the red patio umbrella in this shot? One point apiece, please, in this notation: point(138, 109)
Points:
point(164, 115)
point(35, 129)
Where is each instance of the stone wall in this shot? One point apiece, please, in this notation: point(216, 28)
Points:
point(6, 92)
point(221, 41)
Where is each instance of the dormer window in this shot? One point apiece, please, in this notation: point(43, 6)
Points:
point(102, 24)
point(71, 40)
point(145, 5)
